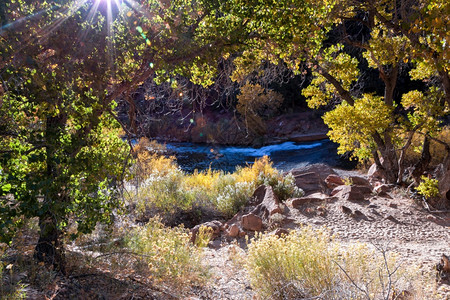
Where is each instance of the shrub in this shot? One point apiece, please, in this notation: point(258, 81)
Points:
point(428, 187)
point(167, 253)
point(165, 192)
point(293, 266)
point(169, 189)
point(233, 197)
point(308, 263)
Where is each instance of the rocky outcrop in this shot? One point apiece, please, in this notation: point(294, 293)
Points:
point(267, 202)
point(311, 178)
point(350, 192)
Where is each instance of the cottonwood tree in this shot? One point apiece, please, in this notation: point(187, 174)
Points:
point(61, 156)
point(390, 37)
point(401, 34)
point(62, 66)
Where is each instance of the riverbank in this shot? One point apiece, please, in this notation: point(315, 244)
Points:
point(225, 128)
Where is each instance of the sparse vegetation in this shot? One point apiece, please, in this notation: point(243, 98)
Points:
point(309, 263)
point(168, 189)
point(166, 254)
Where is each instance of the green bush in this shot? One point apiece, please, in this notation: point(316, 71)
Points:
point(428, 187)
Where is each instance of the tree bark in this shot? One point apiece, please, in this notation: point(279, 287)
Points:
point(421, 166)
point(389, 163)
point(49, 248)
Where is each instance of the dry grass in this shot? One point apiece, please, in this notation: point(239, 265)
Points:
point(308, 263)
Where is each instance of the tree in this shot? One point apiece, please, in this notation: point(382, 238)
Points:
point(336, 41)
point(61, 156)
point(62, 66)
point(398, 38)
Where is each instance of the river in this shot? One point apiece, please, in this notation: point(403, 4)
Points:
point(285, 156)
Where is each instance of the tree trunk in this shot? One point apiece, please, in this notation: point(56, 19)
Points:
point(421, 166)
point(49, 248)
point(389, 163)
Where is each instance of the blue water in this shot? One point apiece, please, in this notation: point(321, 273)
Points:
point(285, 156)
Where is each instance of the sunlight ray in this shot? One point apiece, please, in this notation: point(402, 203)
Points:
point(110, 31)
point(18, 21)
point(90, 18)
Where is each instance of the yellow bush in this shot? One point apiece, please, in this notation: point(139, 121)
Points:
point(149, 161)
point(261, 167)
point(292, 266)
point(428, 187)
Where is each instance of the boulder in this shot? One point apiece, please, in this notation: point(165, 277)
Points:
point(258, 195)
point(252, 222)
point(351, 188)
point(233, 230)
point(348, 193)
point(333, 181)
point(269, 204)
point(356, 180)
point(374, 173)
point(216, 226)
point(298, 202)
point(309, 182)
point(382, 189)
point(322, 170)
point(442, 174)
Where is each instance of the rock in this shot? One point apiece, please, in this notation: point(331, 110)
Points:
point(269, 205)
point(333, 181)
point(215, 244)
point(391, 218)
point(233, 230)
point(258, 195)
point(309, 182)
point(382, 189)
point(443, 268)
point(252, 222)
point(356, 180)
point(374, 173)
point(443, 176)
point(393, 205)
point(342, 190)
point(349, 193)
point(216, 226)
point(308, 137)
point(322, 170)
point(359, 214)
point(346, 210)
point(281, 232)
point(316, 197)
point(338, 189)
